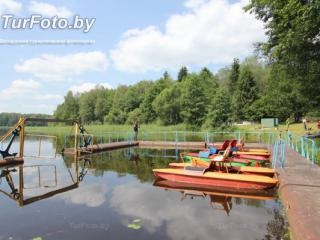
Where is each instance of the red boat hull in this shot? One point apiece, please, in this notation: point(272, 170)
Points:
point(217, 182)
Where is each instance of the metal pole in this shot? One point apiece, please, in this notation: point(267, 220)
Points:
point(40, 139)
point(313, 151)
point(302, 147)
point(307, 152)
point(177, 137)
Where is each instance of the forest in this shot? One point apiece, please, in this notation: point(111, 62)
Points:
point(247, 90)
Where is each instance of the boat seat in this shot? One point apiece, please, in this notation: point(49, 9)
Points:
point(192, 168)
point(219, 158)
point(195, 170)
point(204, 154)
point(213, 150)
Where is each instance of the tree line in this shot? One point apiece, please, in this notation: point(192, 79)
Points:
point(9, 119)
point(247, 90)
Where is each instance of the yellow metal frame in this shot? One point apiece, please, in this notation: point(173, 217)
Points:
point(22, 124)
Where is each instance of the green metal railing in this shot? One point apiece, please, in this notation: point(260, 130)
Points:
point(278, 154)
point(304, 146)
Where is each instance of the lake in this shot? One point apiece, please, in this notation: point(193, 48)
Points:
point(113, 195)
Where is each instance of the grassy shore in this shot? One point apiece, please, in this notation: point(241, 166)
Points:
point(296, 128)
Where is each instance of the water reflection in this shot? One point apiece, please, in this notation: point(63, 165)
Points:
point(27, 184)
point(98, 196)
point(217, 196)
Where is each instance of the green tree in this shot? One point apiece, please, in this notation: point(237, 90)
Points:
point(117, 114)
point(219, 114)
point(167, 105)
point(183, 73)
point(209, 82)
point(194, 102)
point(292, 28)
point(245, 94)
point(135, 94)
point(147, 111)
point(134, 116)
point(86, 107)
point(282, 98)
point(234, 75)
point(69, 109)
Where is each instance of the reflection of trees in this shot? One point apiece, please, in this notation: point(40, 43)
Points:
point(277, 228)
point(123, 163)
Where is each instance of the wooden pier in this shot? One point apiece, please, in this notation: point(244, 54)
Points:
point(100, 147)
point(179, 145)
point(148, 144)
point(300, 194)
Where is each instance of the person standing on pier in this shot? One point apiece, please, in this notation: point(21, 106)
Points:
point(287, 124)
point(136, 129)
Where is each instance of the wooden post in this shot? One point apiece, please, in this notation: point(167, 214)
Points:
point(76, 125)
point(22, 125)
point(21, 185)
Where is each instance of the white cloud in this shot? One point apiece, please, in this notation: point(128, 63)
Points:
point(161, 210)
point(48, 97)
point(10, 6)
point(93, 195)
point(49, 10)
point(62, 67)
point(194, 3)
point(20, 88)
point(87, 86)
point(209, 32)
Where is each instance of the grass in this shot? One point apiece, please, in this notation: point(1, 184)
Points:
point(99, 129)
point(296, 128)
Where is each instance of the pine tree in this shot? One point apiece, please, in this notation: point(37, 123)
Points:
point(183, 73)
point(245, 94)
point(234, 75)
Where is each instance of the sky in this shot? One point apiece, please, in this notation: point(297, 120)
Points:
point(129, 41)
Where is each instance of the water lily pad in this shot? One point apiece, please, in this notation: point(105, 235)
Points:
point(135, 224)
point(136, 227)
point(37, 238)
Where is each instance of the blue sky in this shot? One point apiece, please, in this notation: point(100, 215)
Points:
point(134, 40)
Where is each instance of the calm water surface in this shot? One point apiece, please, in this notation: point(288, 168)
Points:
point(113, 196)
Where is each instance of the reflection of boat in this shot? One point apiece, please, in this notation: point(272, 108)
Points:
point(219, 195)
point(199, 176)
